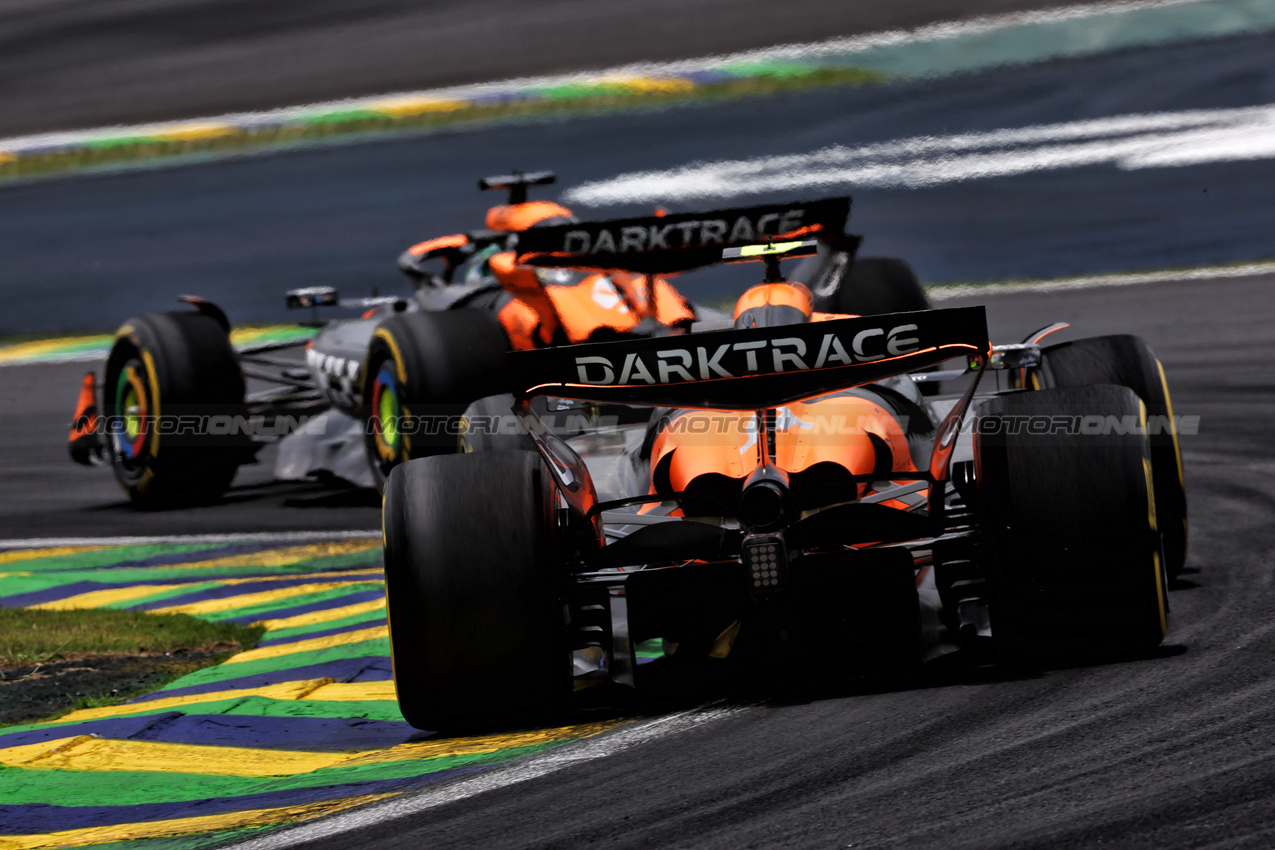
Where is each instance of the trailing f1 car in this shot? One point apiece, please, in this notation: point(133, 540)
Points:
point(175, 422)
point(780, 494)
point(395, 383)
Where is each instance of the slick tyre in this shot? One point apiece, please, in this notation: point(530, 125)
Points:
point(166, 370)
point(1068, 522)
point(475, 610)
point(489, 425)
point(422, 370)
point(873, 286)
point(1129, 362)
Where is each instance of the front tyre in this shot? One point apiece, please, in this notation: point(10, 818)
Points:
point(172, 381)
point(422, 370)
point(475, 603)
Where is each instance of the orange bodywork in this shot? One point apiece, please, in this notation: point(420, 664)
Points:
point(784, 294)
point(518, 217)
point(834, 429)
point(530, 320)
point(86, 417)
point(616, 301)
point(420, 249)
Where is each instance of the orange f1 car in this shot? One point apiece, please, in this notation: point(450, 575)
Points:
point(176, 422)
point(779, 494)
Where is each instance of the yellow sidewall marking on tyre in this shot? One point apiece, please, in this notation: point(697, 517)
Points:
point(400, 370)
point(1177, 447)
point(1159, 591)
point(1173, 429)
point(1151, 521)
point(1159, 568)
point(1151, 517)
point(410, 423)
point(153, 378)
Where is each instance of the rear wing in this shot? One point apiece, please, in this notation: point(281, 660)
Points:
point(516, 183)
point(752, 368)
point(680, 242)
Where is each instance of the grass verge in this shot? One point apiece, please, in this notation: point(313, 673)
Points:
point(52, 662)
point(30, 637)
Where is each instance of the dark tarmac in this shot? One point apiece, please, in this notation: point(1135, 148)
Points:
point(1176, 750)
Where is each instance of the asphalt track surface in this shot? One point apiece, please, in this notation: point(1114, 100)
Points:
point(46, 495)
point(73, 64)
point(1175, 750)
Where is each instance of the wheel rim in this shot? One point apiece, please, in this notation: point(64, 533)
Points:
point(131, 406)
point(387, 417)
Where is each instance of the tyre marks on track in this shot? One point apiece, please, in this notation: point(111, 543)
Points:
point(302, 726)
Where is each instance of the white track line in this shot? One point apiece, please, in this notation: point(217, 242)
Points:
point(591, 749)
point(945, 292)
point(1129, 142)
point(257, 537)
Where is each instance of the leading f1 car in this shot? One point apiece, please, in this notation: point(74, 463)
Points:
point(803, 492)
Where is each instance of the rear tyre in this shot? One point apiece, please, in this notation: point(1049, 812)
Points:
point(1129, 362)
point(476, 625)
point(489, 425)
point(180, 366)
point(872, 286)
point(1071, 552)
point(423, 369)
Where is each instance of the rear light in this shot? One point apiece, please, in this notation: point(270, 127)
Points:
point(766, 560)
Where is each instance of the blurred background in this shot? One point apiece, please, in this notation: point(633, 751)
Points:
point(236, 149)
point(982, 141)
point(72, 64)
